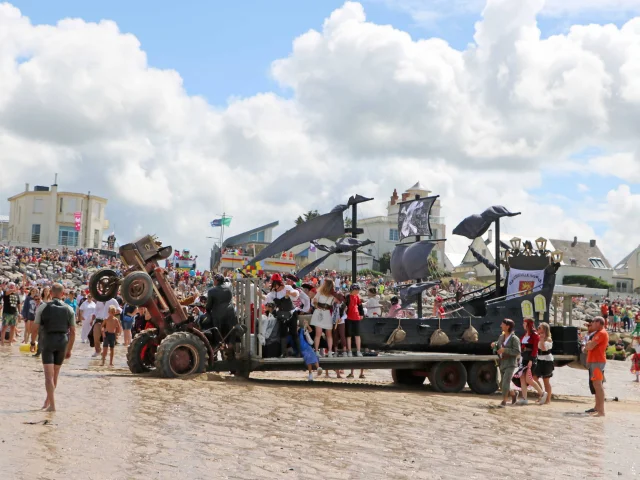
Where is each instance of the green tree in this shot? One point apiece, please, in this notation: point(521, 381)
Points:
point(307, 216)
point(385, 262)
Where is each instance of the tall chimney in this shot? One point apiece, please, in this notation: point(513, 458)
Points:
point(26, 187)
point(575, 241)
point(490, 236)
point(55, 181)
point(405, 196)
point(394, 197)
point(592, 243)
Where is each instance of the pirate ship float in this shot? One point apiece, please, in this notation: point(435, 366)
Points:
point(471, 321)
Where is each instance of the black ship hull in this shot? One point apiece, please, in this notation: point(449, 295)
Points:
point(482, 311)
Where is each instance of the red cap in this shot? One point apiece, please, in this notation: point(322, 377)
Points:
point(276, 277)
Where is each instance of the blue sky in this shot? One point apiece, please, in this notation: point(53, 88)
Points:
point(225, 48)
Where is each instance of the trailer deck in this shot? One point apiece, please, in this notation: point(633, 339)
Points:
point(384, 361)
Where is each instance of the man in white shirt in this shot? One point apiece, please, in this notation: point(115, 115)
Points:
point(101, 312)
point(85, 314)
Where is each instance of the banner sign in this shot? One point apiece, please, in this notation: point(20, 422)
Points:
point(524, 281)
point(78, 218)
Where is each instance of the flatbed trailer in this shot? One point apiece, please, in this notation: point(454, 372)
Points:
point(447, 372)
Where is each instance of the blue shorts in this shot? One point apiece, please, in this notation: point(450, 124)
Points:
point(127, 323)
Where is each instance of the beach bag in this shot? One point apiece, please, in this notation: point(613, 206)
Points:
point(439, 338)
point(470, 334)
point(398, 335)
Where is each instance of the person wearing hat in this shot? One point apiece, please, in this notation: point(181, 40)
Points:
point(220, 308)
point(283, 297)
point(303, 302)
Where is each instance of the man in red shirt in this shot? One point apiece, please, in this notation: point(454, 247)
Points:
point(354, 303)
point(596, 360)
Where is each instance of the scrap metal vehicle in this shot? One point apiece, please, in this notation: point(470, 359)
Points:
point(176, 345)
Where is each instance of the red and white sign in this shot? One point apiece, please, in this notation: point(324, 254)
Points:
point(78, 218)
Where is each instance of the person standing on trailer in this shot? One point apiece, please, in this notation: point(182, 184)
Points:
point(283, 296)
point(355, 312)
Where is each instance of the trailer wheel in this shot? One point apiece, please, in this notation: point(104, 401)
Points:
point(181, 354)
point(406, 377)
point(103, 284)
point(448, 377)
point(141, 354)
point(483, 378)
point(137, 288)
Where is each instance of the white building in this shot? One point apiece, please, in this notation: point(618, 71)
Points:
point(626, 278)
point(46, 218)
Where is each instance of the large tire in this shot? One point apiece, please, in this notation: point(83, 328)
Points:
point(448, 377)
point(181, 354)
point(482, 378)
point(406, 377)
point(141, 354)
point(104, 284)
point(137, 288)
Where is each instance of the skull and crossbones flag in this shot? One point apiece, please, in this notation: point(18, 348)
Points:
point(413, 217)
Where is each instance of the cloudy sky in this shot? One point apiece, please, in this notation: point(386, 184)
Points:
point(178, 111)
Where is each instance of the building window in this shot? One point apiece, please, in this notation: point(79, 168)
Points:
point(257, 237)
point(67, 237)
point(60, 205)
point(597, 262)
point(393, 235)
point(37, 205)
point(35, 233)
point(434, 234)
point(96, 239)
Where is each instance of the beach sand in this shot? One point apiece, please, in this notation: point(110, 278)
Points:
point(113, 425)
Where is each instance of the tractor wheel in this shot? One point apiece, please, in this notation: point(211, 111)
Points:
point(141, 354)
point(181, 354)
point(103, 285)
point(137, 288)
point(448, 377)
point(483, 378)
point(406, 377)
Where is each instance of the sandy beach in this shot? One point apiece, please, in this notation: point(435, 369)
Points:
point(113, 425)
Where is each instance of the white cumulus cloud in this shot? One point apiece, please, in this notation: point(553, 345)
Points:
point(371, 110)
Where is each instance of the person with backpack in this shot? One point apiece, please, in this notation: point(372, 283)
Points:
point(58, 333)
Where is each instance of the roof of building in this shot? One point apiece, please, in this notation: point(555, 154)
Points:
point(418, 186)
point(624, 263)
point(244, 236)
point(43, 193)
point(579, 254)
